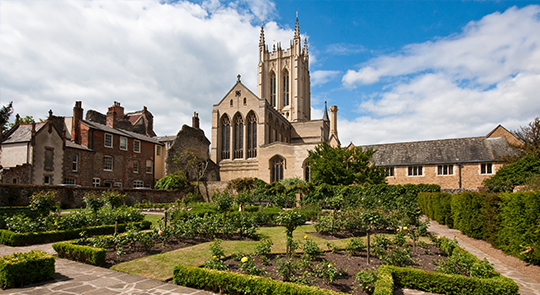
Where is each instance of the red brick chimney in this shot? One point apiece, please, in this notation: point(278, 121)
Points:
point(195, 120)
point(115, 112)
point(76, 122)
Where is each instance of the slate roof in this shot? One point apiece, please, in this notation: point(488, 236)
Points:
point(23, 133)
point(71, 144)
point(458, 150)
point(120, 132)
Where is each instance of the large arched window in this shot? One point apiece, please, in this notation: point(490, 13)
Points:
point(277, 165)
point(285, 88)
point(273, 89)
point(225, 138)
point(251, 135)
point(238, 137)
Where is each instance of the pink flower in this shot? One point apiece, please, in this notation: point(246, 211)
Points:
point(159, 232)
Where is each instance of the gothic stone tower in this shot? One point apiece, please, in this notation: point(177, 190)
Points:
point(283, 78)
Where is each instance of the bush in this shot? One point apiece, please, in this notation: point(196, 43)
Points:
point(114, 198)
point(43, 203)
point(21, 269)
point(517, 173)
point(84, 254)
point(173, 181)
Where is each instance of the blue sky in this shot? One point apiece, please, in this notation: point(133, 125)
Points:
point(397, 70)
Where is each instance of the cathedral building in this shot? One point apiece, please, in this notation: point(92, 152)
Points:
point(268, 135)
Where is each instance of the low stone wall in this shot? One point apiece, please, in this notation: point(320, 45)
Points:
point(72, 197)
point(210, 187)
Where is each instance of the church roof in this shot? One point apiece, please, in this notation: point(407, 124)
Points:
point(458, 150)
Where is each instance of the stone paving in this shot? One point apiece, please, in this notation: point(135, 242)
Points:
point(79, 278)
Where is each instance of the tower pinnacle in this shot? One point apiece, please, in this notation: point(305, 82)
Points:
point(261, 40)
point(297, 28)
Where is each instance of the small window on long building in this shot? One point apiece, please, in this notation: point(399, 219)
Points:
point(415, 170)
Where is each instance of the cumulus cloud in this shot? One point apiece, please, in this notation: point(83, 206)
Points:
point(321, 77)
point(462, 85)
point(344, 49)
point(174, 58)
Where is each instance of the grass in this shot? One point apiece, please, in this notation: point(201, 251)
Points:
point(160, 266)
point(155, 219)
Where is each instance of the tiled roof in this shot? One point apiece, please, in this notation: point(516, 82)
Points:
point(458, 150)
point(120, 132)
point(71, 144)
point(23, 133)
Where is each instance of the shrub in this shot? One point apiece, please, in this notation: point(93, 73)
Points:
point(512, 175)
point(366, 279)
point(355, 246)
point(113, 198)
point(311, 249)
point(21, 269)
point(173, 181)
point(43, 203)
point(84, 254)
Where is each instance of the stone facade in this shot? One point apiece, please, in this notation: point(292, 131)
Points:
point(268, 135)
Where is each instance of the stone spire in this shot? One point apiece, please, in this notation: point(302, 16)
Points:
point(261, 40)
point(325, 116)
point(305, 44)
point(297, 28)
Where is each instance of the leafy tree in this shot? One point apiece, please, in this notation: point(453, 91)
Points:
point(25, 120)
point(530, 137)
point(512, 175)
point(344, 166)
point(290, 219)
point(5, 112)
point(173, 181)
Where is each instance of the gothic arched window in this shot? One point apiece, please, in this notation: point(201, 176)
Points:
point(307, 170)
point(285, 88)
point(276, 167)
point(273, 89)
point(238, 137)
point(225, 138)
point(251, 135)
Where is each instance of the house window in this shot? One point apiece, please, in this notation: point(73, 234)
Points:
point(14, 180)
point(69, 180)
point(252, 136)
point(96, 182)
point(49, 159)
point(286, 88)
point(138, 183)
point(445, 169)
point(123, 143)
point(75, 162)
point(158, 150)
point(135, 167)
point(238, 137)
point(486, 168)
point(47, 180)
point(137, 146)
point(389, 171)
point(415, 170)
point(225, 138)
point(273, 89)
point(108, 140)
point(118, 184)
point(149, 167)
point(277, 169)
point(108, 163)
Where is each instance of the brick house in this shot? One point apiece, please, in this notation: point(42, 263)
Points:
point(459, 163)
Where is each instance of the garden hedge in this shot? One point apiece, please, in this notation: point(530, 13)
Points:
point(21, 269)
point(20, 239)
point(84, 254)
point(440, 283)
point(224, 282)
point(437, 206)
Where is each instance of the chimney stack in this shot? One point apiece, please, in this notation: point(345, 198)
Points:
point(76, 122)
point(195, 120)
point(333, 121)
point(115, 112)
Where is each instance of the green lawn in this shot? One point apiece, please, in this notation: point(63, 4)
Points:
point(155, 219)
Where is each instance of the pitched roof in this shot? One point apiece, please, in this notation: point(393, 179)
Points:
point(71, 144)
point(23, 133)
point(458, 150)
point(121, 132)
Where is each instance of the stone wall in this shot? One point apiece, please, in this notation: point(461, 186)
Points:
point(72, 197)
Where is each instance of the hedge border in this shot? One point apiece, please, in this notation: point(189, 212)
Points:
point(10, 238)
point(21, 269)
point(225, 282)
point(80, 253)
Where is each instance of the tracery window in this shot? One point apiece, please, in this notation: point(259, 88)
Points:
point(252, 136)
point(273, 89)
point(238, 137)
point(225, 138)
point(286, 88)
point(277, 164)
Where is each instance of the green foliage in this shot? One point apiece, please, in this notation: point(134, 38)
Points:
point(286, 269)
point(113, 198)
point(20, 269)
point(216, 248)
point(5, 112)
point(173, 181)
point(512, 175)
point(529, 137)
point(366, 279)
point(263, 248)
point(223, 201)
point(290, 219)
point(84, 254)
point(242, 184)
point(344, 166)
point(43, 203)
point(93, 202)
point(328, 272)
point(25, 120)
point(247, 265)
point(311, 249)
point(355, 246)
point(466, 207)
point(437, 206)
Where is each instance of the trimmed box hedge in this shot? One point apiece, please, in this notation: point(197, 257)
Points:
point(21, 269)
point(225, 282)
point(84, 254)
point(440, 283)
point(20, 239)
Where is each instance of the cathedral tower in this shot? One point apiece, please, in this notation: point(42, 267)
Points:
point(283, 77)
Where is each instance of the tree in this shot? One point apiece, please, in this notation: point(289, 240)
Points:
point(173, 181)
point(344, 166)
point(25, 120)
point(530, 137)
point(512, 175)
point(5, 112)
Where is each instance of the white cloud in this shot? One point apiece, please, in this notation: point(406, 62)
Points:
point(175, 58)
point(344, 49)
point(321, 77)
point(458, 86)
